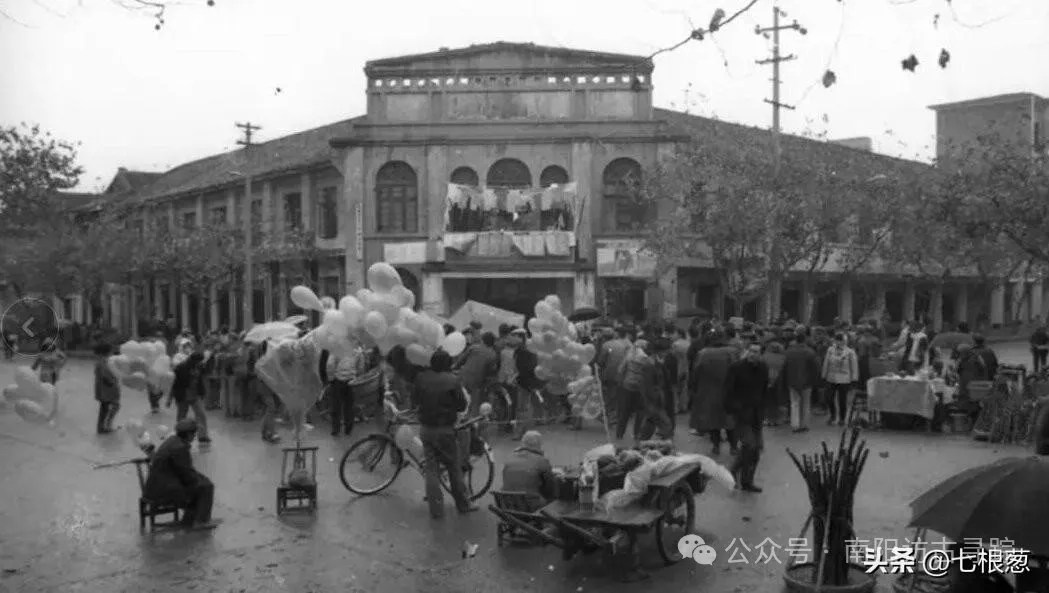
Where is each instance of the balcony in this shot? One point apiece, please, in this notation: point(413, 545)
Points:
point(551, 245)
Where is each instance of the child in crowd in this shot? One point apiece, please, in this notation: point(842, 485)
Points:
point(49, 363)
point(107, 389)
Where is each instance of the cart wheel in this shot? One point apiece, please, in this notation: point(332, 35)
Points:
point(677, 521)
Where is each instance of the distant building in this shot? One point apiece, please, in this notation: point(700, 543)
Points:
point(1022, 118)
point(859, 143)
point(495, 173)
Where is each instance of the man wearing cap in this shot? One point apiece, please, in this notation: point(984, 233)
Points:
point(528, 469)
point(172, 478)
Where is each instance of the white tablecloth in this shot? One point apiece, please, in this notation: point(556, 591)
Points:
point(897, 395)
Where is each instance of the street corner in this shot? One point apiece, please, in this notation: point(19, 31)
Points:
point(29, 326)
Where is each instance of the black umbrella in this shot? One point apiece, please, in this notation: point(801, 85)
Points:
point(584, 314)
point(1002, 500)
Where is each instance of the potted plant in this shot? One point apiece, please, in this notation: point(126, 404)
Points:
point(831, 478)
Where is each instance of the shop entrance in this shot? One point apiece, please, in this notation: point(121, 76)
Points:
point(512, 294)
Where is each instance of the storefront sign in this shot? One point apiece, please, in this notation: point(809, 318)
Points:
point(358, 223)
point(412, 252)
point(624, 259)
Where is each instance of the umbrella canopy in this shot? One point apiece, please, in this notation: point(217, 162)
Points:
point(584, 314)
point(488, 316)
point(1003, 500)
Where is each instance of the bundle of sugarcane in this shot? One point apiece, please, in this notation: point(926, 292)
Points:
point(831, 478)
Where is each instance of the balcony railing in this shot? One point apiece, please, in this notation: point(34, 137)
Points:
point(509, 244)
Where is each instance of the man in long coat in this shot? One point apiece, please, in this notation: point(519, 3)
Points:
point(707, 390)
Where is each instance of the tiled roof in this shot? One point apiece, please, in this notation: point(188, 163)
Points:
point(531, 48)
point(846, 160)
point(140, 180)
point(286, 153)
point(77, 200)
point(993, 99)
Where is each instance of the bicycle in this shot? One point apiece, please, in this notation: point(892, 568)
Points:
point(370, 450)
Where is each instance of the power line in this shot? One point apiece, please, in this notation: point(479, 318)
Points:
point(249, 129)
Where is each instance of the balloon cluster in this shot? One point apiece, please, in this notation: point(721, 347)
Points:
point(143, 364)
point(142, 437)
point(33, 400)
point(562, 359)
point(381, 315)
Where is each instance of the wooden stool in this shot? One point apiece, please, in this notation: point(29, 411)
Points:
point(149, 510)
point(298, 497)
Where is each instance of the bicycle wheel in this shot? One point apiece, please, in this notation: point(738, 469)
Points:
point(502, 405)
point(371, 464)
point(478, 472)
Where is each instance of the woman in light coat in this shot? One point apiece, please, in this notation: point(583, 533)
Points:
point(840, 371)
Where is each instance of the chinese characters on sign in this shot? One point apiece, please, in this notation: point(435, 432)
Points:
point(883, 555)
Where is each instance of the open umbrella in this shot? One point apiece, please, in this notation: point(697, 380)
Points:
point(584, 314)
point(1002, 500)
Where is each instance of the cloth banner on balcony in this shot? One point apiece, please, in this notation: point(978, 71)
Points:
point(466, 199)
point(501, 244)
point(488, 316)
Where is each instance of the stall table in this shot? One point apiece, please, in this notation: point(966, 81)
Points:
point(903, 395)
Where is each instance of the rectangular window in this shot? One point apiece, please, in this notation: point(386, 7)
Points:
point(218, 215)
point(330, 287)
point(328, 219)
point(397, 212)
point(292, 211)
point(189, 220)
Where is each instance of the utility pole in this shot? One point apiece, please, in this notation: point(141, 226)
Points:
point(248, 306)
point(775, 290)
point(775, 60)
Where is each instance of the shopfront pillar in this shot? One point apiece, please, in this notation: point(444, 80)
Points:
point(213, 307)
point(961, 304)
point(998, 305)
point(879, 300)
point(183, 311)
point(807, 299)
point(908, 302)
point(1037, 292)
point(434, 300)
point(584, 289)
point(936, 305)
point(1021, 298)
point(845, 301)
point(668, 293)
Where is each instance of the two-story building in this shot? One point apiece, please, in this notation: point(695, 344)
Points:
point(501, 173)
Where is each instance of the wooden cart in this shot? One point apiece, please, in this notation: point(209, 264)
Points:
point(668, 510)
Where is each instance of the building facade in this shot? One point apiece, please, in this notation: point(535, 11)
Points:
point(501, 173)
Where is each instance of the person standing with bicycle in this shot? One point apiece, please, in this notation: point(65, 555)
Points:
point(440, 399)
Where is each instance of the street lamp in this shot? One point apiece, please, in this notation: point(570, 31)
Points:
point(249, 268)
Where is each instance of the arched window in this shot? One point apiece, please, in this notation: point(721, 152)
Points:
point(465, 176)
point(396, 199)
point(553, 175)
point(509, 174)
point(622, 209)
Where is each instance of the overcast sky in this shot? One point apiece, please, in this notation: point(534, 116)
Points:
point(92, 71)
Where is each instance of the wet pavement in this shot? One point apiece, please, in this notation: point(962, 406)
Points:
point(69, 527)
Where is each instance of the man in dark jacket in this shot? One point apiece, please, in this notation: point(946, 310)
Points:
point(477, 368)
point(801, 369)
point(188, 391)
point(439, 395)
point(1039, 348)
point(528, 469)
point(525, 362)
point(746, 391)
point(172, 478)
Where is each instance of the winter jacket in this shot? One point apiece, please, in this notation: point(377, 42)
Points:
point(801, 367)
point(841, 367)
point(439, 397)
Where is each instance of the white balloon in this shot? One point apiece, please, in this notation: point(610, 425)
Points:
point(11, 393)
point(454, 343)
point(383, 277)
point(305, 298)
point(163, 432)
point(31, 411)
point(375, 324)
point(352, 310)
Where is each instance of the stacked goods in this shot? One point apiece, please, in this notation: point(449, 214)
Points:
point(831, 478)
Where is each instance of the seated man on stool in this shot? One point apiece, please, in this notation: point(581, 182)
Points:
point(172, 478)
point(528, 469)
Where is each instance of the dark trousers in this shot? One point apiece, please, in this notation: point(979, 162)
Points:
point(107, 411)
point(1039, 357)
point(748, 426)
point(182, 408)
point(628, 404)
point(670, 409)
point(441, 450)
point(837, 400)
point(154, 398)
point(342, 406)
point(610, 399)
point(201, 501)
